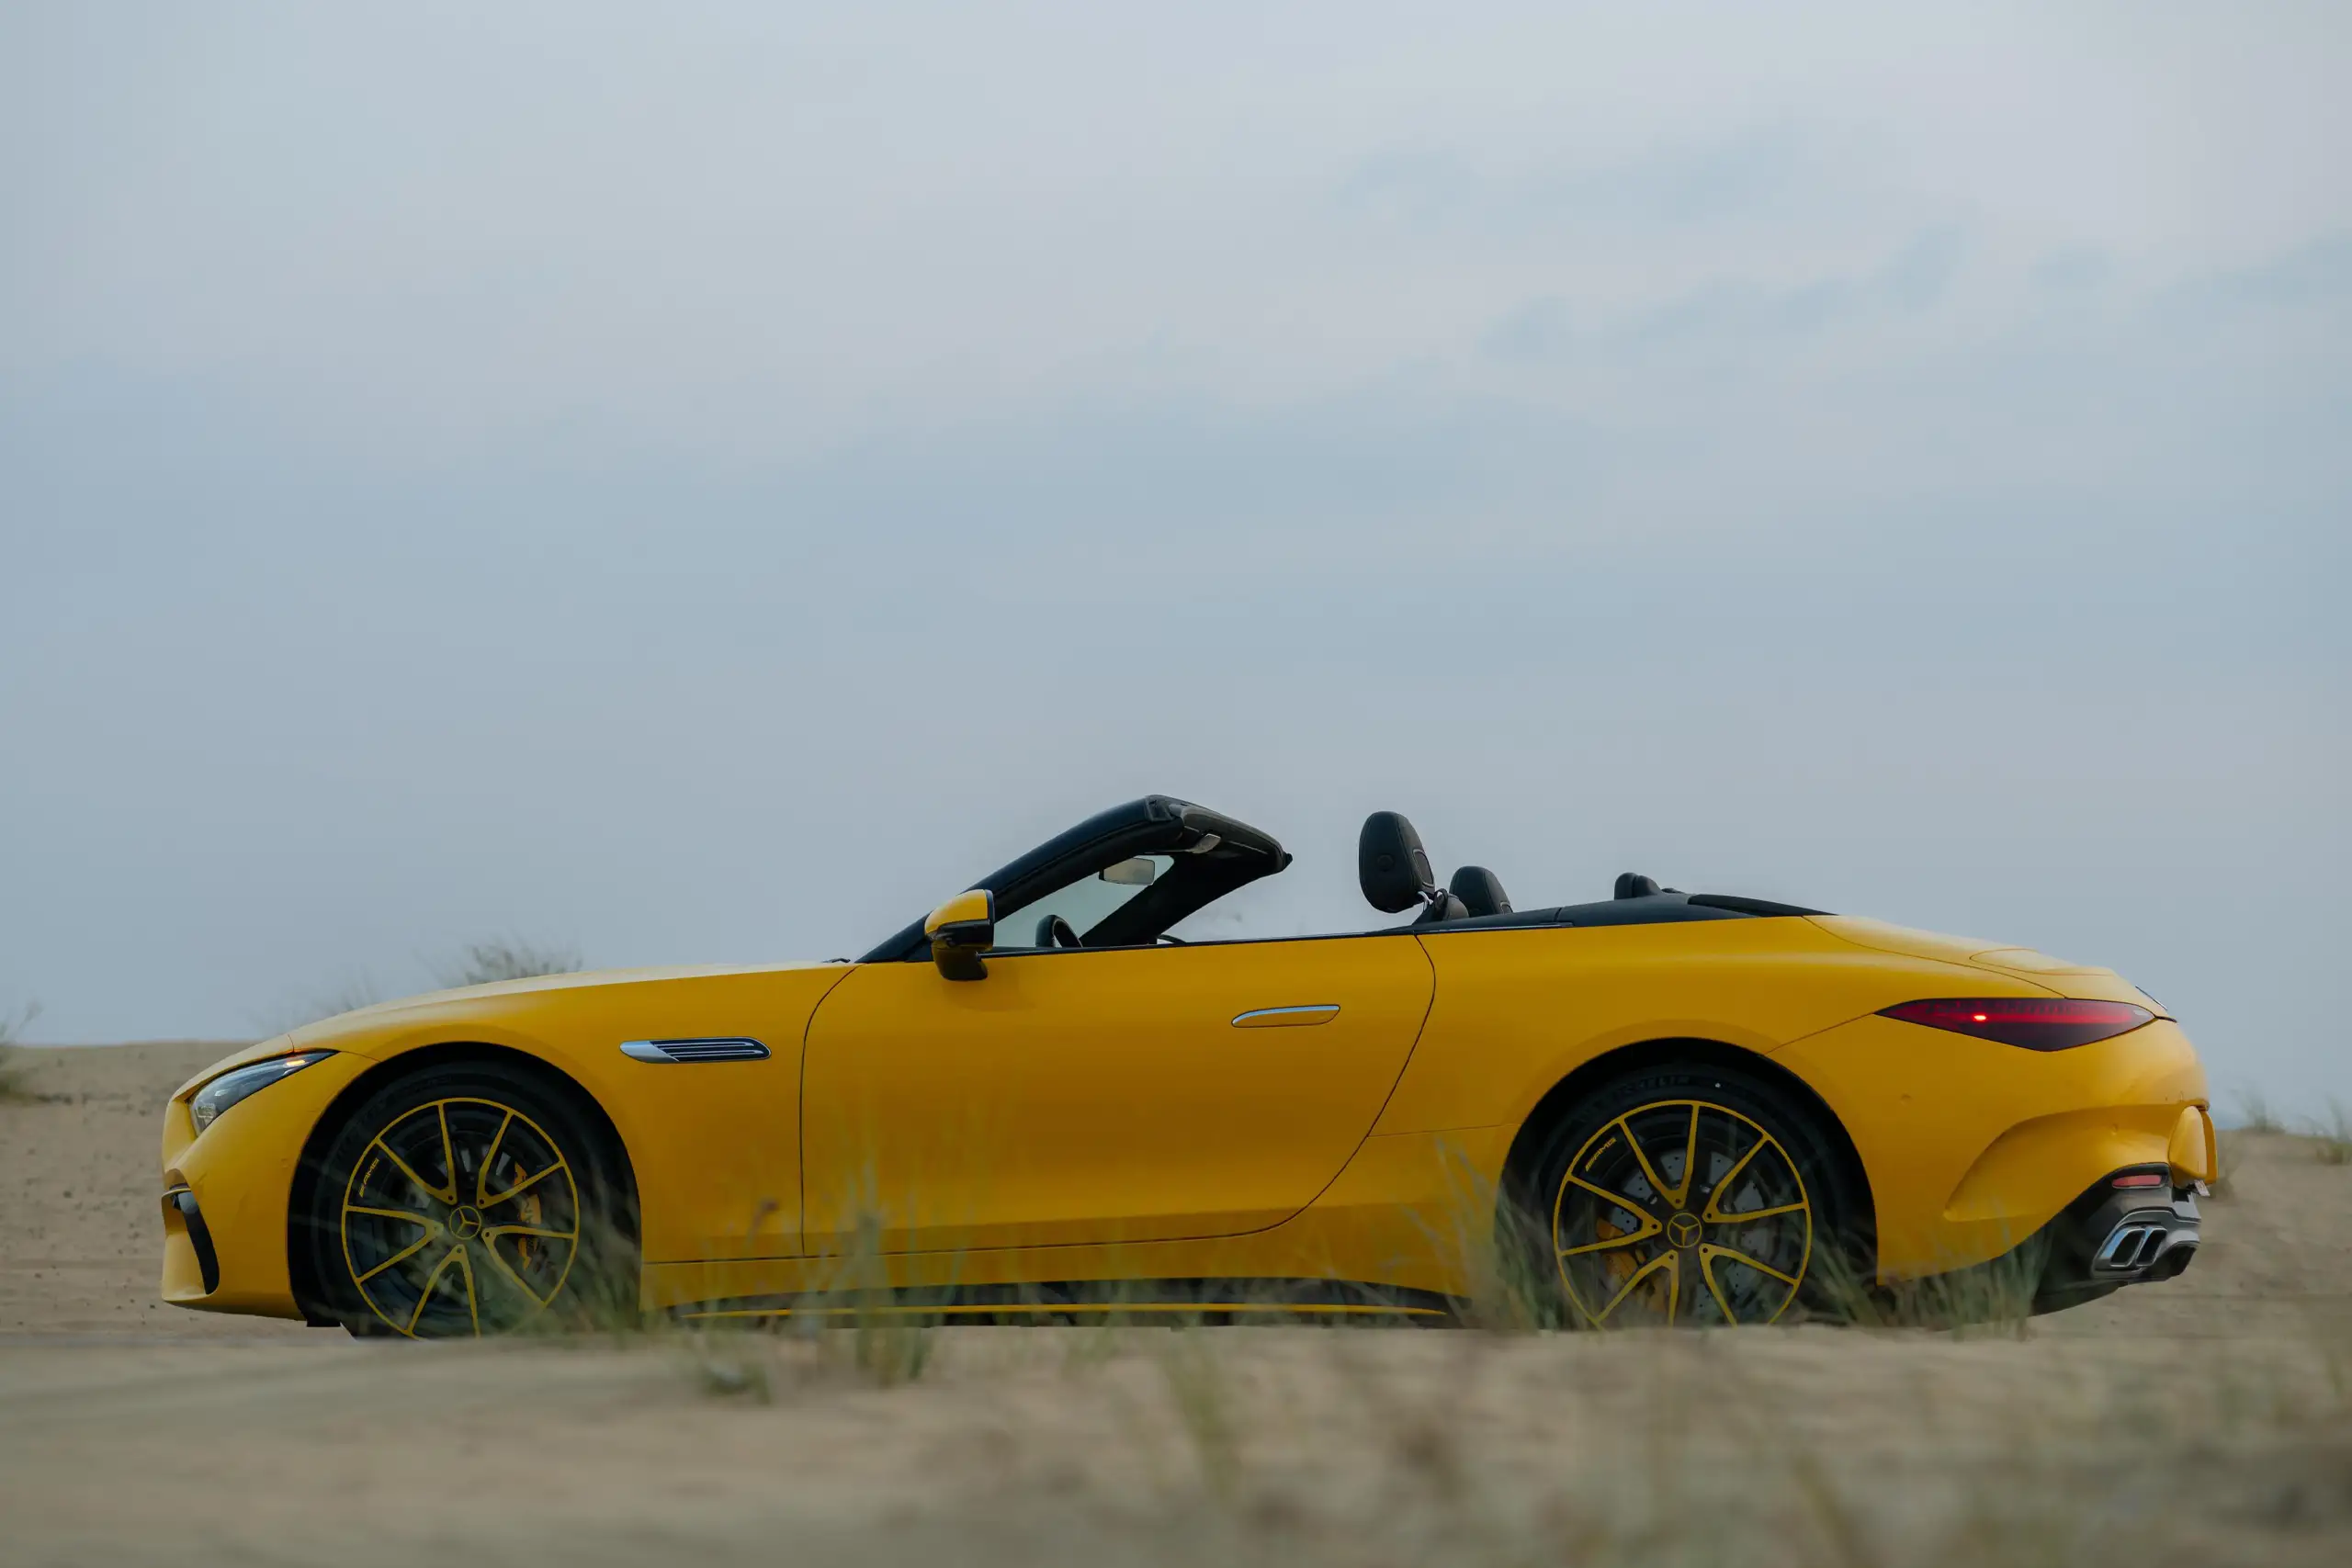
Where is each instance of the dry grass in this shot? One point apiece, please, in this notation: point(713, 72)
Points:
point(348, 995)
point(854, 1324)
point(485, 963)
point(2332, 1140)
point(1994, 1298)
point(12, 1074)
point(1779, 1449)
point(2230, 1144)
point(1783, 1449)
point(1942, 1429)
point(476, 964)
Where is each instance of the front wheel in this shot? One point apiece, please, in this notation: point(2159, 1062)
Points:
point(1686, 1195)
point(465, 1199)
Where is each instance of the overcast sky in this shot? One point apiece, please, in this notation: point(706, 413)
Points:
point(702, 483)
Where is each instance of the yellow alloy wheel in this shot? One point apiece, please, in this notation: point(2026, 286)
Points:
point(1683, 1212)
point(462, 1217)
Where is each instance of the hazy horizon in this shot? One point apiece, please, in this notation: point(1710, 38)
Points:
point(702, 486)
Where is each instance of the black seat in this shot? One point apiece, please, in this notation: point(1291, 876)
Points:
point(1394, 871)
point(1480, 890)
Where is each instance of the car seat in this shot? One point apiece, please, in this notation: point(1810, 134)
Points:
point(1394, 871)
point(1480, 890)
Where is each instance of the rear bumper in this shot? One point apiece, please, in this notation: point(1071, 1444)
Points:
point(2113, 1237)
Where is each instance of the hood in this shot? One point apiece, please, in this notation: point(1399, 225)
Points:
point(531, 984)
point(350, 1031)
point(361, 1029)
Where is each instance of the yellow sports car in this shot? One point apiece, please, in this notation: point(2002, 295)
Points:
point(1658, 1107)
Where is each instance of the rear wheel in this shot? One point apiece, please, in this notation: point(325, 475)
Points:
point(466, 1199)
point(1686, 1195)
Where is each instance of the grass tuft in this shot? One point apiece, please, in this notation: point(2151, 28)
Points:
point(2257, 1116)
point(2333, 1137)
point(487, 963)
point(348, 995)
point(886, 1338)
point(2227, 1152)
point(1994, 1297)
point(1197, 1387)
point(476, 964)
point(12, 1067)
point(889, 1343)
point(735, 1365)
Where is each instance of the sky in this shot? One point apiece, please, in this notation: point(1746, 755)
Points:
point(702, 483)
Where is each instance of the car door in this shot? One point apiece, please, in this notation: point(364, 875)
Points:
point(1124, 1094)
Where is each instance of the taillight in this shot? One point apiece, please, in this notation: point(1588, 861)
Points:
point(2038, 1023)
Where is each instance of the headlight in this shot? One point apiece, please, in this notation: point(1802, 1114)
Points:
point(238, 1082)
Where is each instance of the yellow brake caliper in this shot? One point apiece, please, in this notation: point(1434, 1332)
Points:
point(1618, 1262)
point(526, 1246)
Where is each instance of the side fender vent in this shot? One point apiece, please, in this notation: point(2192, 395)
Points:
point(734, 1048)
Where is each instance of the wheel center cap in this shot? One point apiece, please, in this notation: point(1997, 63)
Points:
point(1683, 1230)
point(465, 1222)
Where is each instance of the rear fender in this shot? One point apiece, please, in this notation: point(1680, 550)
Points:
point(1972, 1146)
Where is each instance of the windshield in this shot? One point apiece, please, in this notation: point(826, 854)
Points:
point(1085, 903)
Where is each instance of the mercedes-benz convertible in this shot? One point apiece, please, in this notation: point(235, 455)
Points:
point(1041, 1100)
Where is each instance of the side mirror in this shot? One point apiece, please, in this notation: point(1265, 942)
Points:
point(960, 931)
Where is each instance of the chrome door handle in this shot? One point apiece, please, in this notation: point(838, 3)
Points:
point(1286, 1017)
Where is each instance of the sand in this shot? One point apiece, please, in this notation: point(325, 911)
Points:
point(2206, 1420)
point(81, 1232)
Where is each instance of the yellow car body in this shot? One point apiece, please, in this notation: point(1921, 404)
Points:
point(1179, 1121)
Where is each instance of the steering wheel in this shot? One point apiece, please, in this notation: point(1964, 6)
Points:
point(1054, 932)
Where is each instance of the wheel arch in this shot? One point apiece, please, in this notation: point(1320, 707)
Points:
point(1625, 1060)
point(301, 1272)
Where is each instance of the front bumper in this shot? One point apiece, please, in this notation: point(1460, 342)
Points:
point(227, 1190)
point(191, 1263)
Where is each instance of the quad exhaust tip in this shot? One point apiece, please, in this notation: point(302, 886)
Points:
point(2142, 1243)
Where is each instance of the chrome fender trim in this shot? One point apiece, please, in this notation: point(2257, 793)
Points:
point(709, 1048)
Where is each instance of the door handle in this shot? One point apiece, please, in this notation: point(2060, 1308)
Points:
point(1287, 1018)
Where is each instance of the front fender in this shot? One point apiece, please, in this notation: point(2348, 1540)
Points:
point(715, 1147)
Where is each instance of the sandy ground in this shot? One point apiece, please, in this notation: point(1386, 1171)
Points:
point(2208, 1420)
point(81, 1228)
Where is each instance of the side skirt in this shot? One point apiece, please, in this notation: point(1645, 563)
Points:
point(1095, 1301)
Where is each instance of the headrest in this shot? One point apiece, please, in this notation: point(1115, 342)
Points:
point(1391, 865)
point(1633, 885)
point(1480, 890)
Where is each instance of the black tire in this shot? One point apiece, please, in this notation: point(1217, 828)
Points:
point(469, 1198)
point(1768, 1231)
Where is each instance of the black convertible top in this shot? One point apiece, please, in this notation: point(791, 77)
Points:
point(1216, 854)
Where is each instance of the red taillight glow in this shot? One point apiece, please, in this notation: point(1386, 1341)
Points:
point(2038, 1023)
point(2141, 1179)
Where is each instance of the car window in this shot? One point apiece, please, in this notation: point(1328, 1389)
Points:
point(1083, 902)
point(1262, 911)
